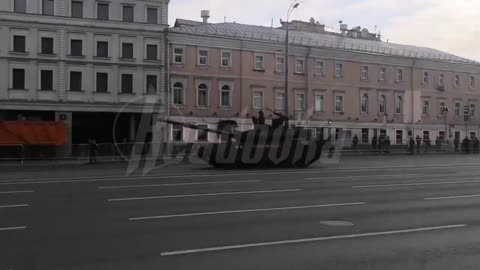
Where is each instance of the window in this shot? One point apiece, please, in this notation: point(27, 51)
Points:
point(18, 79)
point(472, 81)
point(319, 103)
point(226, 59)
point(300, 102)
point(383, 104)
point(46, 80)
point(383, 74)
point(178, 55)
point(225, 96)
point(202, 135)
point(279, 101)
point(75, 81)
point(320, 69)
point(441, 107)
point(441, 79)
point(103, 11)
point(202, 95)
point(458, 108)
point(426, 78)
point(47, 45)
point(76, 47)
point(299, 66)
point(177, 132)
point(77, 9)
point(152, 15)
point(364, 75)
point(473, 112)
point(48, 7)
point(399, 105)
point(127, 50)
point(257, 100)
point(339, 70)
point(338, 104)
point(364, 104)
point(280, 64)
point(426, 134)
point(259, 62)
point(178, 94)
point(457, 80)
point(127, 83)
point(203, 57)
point(152, 52)
point(20, 6)
point(127, 12)
point(102, 82)
point(365, 135)
point(399, 137)
point(399, 75)
point(426, 108)
point(102, 49)
point(19, 44)
point(151, 84)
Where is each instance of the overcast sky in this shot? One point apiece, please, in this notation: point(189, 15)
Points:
point(451, 26)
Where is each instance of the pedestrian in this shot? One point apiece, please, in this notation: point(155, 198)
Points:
point(427, 143)
point(476, 144)
point(438, 143)
point(374, 142)
point(419, 143)
point(411, 144)
point(388, 142)
point(456, 142)
point(93, 148)
point(466, 145)
point(355, 142)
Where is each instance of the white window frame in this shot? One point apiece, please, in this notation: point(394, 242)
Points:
point(174, 81)
point(109, 79)
point(52, 68)
point(364, 73)
point(277, 63)
point(441, 106)
point(255, 67)
point(25, 67)
point(441, 79)
point(300, 108)
point(279, 106)
point(182, 92)
point(321, 108)
point(155, 42)
point(199, 56)
point(399, 99)
point(299, 66)
point(84, 78)
point(126, 72)
point(339, 70)
point(399, 75)
point(342, 100)
point(382, 102)
point(96, 9)
point(473, 110)
point(102, 38)
point(364, 103)
point(382, 74)
point(458, 109)
point(472, 82)
point(320, 65)
point(254, 92)
point(47, 34)
point(197, 95)
point(457, 83)
point(151, 73)
point(146, 14)
point(229, 59)
point(426, 78)
point(426, 112)
point(176, 54)
point(230, 85)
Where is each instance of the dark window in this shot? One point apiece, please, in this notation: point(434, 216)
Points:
point(19, 44)
point(18, 79)
point(102, 11)
point(152, 52)
point(77, 9)
point(75, 81)
point(127, 50)
point(48, 7)
point(365, 133)
point(46, 80)
point(177, 133)
point(202, 135)
point(151, 84)
point(102, 82)
point(47, 45)
point(152, 15)
point(102, 49)
point(128, 13)
point(127, 83)
point(76, 47)
point(20, 6)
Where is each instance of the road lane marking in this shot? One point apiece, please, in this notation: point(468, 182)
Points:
point(181, 184)
point(417, 184)
point(13, 228)
point(453, 197)
point(14, 206)
point(17, 191)
point(248, 211)
point(204, 195)
point(309, 240)
point(362, 176)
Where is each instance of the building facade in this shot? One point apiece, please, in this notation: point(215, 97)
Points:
point(96, 65)
point(348, 83)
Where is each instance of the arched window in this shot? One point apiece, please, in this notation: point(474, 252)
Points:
point(178, 98)
point(225, 98)
point(364, 103)
point(383, 104)
point(202, 95)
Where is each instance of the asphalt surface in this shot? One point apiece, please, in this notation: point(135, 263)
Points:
point(379, 212)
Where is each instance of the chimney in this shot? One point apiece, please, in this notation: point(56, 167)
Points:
point(205, 15)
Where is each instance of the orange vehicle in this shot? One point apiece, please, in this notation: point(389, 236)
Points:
point(32, 133)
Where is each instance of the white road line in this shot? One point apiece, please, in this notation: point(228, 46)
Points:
point(203, 195)
point(13, 228)
point(17, 191)
point(309, 240)
point(417, 184)
point(453, 197)
point(363, 176)
point(181, 184)
point(14, 206)
point(248, 211)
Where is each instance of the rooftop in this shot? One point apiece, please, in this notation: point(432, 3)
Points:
point(314, 39)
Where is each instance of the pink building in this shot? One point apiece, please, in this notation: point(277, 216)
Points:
point(347, 83)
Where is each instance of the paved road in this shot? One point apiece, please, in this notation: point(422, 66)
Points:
point(401, 212)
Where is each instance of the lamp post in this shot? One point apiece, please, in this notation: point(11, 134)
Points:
point(293, 6)
point(445, 111)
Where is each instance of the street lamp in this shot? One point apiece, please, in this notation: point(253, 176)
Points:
point(293, 6)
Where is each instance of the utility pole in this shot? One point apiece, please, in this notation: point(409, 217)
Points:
point(293, 6)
